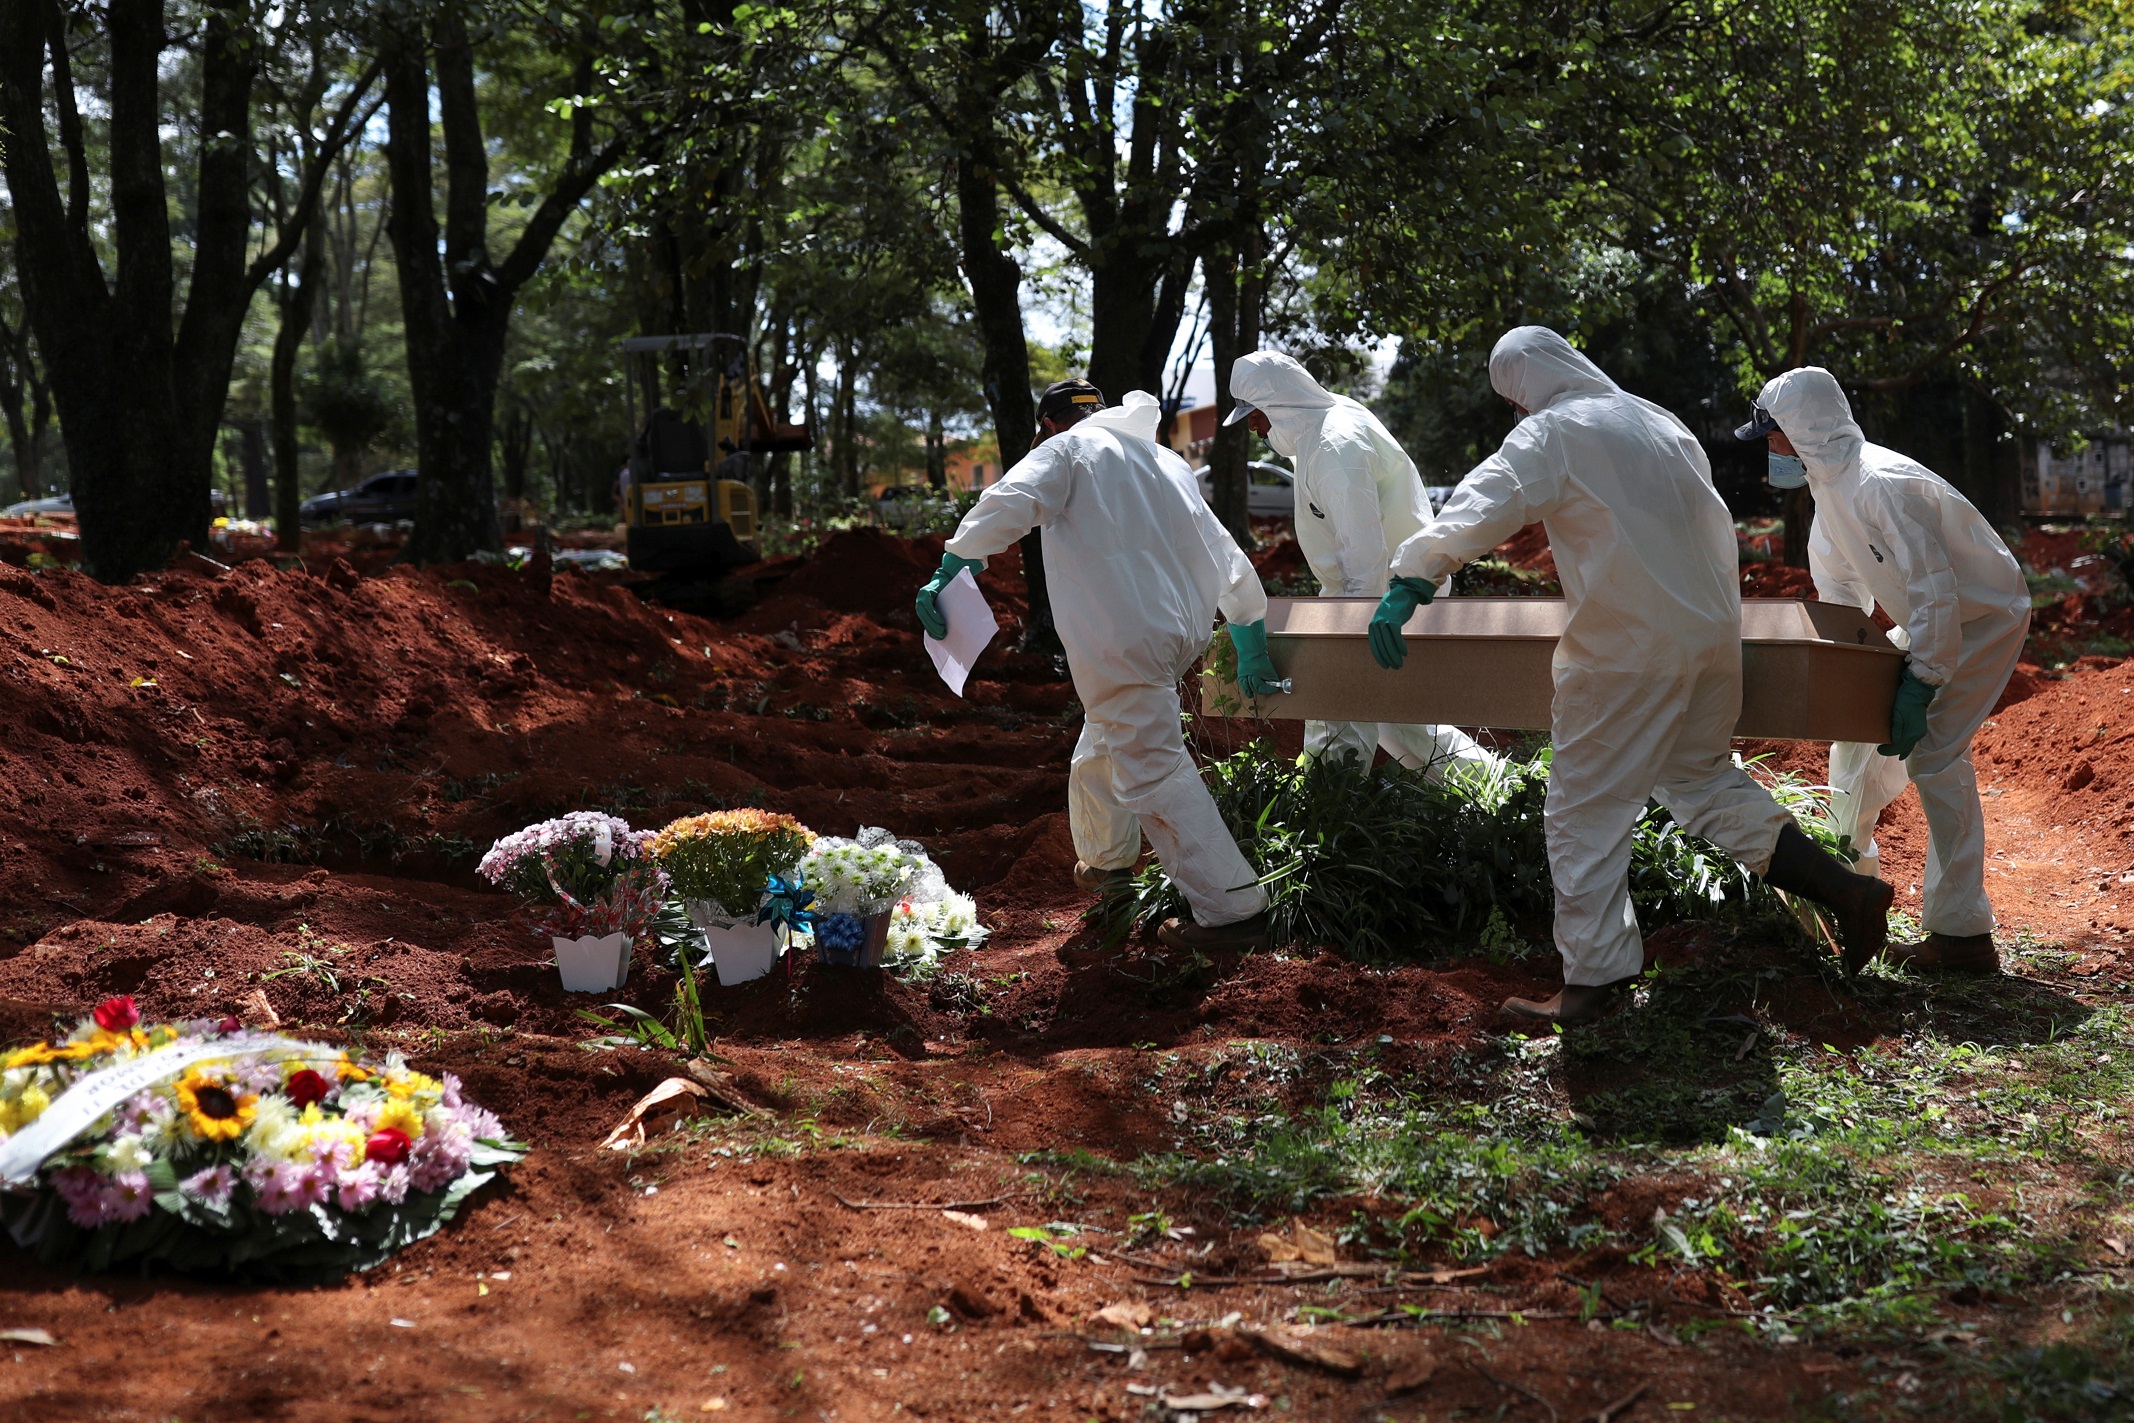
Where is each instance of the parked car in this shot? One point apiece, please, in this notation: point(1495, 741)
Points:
point(31, 508)
point(382, 499)
point(1270, 490)
point(912, 506)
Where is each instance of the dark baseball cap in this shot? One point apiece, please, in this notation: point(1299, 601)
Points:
point(1062, 396)
point(1761, 425)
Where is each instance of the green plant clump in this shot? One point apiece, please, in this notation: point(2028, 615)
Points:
point(1387, 863)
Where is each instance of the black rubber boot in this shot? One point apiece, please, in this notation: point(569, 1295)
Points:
point(1952, 953)
point(1095, 881)
point(1576, 1005)
point(1859, 903)
point(1247, 934)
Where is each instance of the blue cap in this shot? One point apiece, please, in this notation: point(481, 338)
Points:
point(1758, 427)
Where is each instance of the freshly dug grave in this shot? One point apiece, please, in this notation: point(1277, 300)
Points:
point(261, 794)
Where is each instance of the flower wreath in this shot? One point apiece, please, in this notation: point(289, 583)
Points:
point(209, 1149)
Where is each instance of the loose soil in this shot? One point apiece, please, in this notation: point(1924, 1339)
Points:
point(262, 792)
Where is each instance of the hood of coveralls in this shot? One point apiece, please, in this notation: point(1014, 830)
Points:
point(1137, 415)
point(1812, 412)
point(1282, 390)
point(1532, 366)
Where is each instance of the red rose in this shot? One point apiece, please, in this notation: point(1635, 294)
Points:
point(305, 1088)
point(116, 1015)
point(387, 1146)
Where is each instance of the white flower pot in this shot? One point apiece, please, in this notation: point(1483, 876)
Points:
point(741, 949)
point(593, 963)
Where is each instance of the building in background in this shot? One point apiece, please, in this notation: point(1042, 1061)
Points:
point(2094, 480)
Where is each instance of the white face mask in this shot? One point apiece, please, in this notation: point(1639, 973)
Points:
point(1281, 441)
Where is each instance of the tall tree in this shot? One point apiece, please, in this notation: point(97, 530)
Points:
point(138, 373)
point(456, 301)
point(962, 62)
point(1904, 192)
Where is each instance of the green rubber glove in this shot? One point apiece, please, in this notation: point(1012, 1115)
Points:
point(1256, 676)
point(927, 603)
point(1907, 716)
point(1388, 648)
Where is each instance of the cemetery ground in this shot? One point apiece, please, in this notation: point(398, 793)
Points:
point(1057, 1180)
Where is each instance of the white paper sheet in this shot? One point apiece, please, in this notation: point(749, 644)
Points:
point(971, 626)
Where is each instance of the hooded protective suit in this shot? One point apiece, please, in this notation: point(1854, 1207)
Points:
point(1890, 533)
point(1358, 497)
point(1648, 671)
point(1138, 568)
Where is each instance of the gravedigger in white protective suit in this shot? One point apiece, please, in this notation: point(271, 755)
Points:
point(1138, 568)
point(1358, 496)
point(1890, 533)
point(1648, 670)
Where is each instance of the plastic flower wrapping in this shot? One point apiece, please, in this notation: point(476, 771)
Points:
point(875, 871)
point(920, 932)
point(589, 873)
point(209, 1149)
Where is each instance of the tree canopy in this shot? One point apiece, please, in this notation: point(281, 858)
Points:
point(413, 232)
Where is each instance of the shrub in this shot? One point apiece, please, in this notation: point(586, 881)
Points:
point(1386, 862)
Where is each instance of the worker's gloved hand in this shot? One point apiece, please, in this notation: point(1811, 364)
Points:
point(1256, 676)
point(1908, 716)
point(1388, 648)
point(927, 603)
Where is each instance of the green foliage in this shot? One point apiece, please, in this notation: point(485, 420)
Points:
point(1469, 1190)
point(1808, 1224)
point(1390, 863)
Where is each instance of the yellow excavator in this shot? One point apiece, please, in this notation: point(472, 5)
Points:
point(686, 515)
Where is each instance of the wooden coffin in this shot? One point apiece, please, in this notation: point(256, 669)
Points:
point(1810, 671)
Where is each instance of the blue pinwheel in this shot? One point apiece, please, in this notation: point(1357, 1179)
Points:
point(786, 902)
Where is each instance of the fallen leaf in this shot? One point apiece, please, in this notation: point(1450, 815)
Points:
point(1313, 1247)
point(1124, 1314)
point(1277, 1250)
point(1304, 1245)
point(665, 1103)
point(1298, 1349)
point(722, 1088)
point(1210, 1402)
point(975, 1222)
point(712, 1405)
point(28, 1336)
point(2114, 1244)
point(256, 1012)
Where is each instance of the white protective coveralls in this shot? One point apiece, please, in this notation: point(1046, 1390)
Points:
point(1890, 533)
point(1358, 497)
point(1138, 568)
point(1648, 671)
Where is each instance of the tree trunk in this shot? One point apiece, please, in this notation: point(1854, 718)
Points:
point(936, 451)
point(847, 464)
point(1233, 331)
point(297, 303)
point(28, 405)
point(455, 303)
point(1799, 510)
point(995, 282)
point(138, 384)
